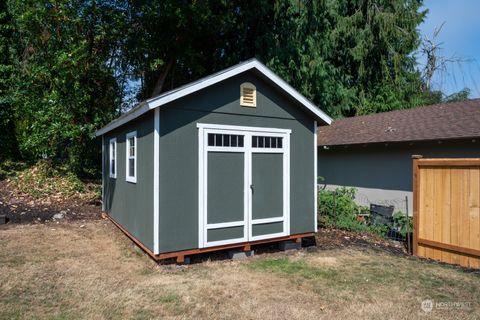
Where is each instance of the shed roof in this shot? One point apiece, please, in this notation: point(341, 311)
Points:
point(192, 87)
point(435, 122)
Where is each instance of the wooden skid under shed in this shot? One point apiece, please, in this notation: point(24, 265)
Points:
point(180, 255)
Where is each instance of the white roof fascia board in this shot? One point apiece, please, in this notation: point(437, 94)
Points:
point(294, 93)
point(156, 102)
point(169, 97)
point(121, 121)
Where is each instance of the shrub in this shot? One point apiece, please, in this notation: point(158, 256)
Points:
point(338, 209)
point(402, 223)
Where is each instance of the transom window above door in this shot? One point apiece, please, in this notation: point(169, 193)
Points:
point(225, 140)
point(267, 142)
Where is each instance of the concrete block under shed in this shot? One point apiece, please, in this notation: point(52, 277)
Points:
point(238, 255)
point(289, 245)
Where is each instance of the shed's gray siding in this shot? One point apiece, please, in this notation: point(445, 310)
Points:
point(383, 173)
point(219, 104)
point(131, 204)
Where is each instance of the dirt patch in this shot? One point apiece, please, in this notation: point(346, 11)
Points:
point(20, 208)
point(334, 239)
point(325, 261)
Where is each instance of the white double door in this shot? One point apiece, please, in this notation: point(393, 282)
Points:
point(244, 185)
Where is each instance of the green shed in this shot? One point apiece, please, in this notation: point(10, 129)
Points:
point(226, 161)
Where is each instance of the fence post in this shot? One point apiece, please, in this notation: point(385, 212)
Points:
point(408, 226)
point(335, 208)
point(416, 191)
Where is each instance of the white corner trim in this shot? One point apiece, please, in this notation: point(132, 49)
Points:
point(201, 189)
point(156, 183)
point(110, 155)
point(286, 186)
point(211, 80)
point(128, 178)
point(315, 176)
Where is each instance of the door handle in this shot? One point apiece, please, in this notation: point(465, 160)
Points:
point(251, 187)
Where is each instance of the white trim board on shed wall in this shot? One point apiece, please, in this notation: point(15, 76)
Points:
point(211, 80)
point(315, 176)
point(156, 183)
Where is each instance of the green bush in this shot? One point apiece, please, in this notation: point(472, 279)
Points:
point(402, 223)
point(338, 209)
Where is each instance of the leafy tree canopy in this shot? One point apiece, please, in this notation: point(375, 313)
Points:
point(67, 65)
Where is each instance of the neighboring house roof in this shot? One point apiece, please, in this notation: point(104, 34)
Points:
point(435, 122)
point(192, 87)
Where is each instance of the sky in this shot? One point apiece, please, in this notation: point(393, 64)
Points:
point(460, 38)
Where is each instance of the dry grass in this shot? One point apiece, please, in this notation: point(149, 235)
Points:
point(67, 272)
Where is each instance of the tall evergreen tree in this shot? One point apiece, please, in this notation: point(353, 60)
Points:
point(374, 42)
point(72, 61)
point(349, 56)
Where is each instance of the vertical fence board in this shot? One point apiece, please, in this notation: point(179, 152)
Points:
point(474, 207)
point(429, 211)
point(464, 239)
point(456, 175)
point(437, 209)
point(445, 212)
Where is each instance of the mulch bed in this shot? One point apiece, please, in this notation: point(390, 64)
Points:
point(21, 208)
point(335, 238)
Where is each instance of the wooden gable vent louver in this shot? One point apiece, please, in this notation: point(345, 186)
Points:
point(248, 95)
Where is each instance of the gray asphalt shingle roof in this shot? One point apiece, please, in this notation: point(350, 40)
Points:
point(435, 122)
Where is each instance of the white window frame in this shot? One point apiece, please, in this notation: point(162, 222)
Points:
point(113, 142)
point(128, 178)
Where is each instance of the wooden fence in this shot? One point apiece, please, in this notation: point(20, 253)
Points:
point(446, 210)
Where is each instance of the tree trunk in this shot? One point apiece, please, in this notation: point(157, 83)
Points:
point(161, 78)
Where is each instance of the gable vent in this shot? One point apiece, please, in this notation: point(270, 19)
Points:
point(248, 95)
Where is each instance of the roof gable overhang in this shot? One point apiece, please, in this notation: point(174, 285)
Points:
point(173, 95)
